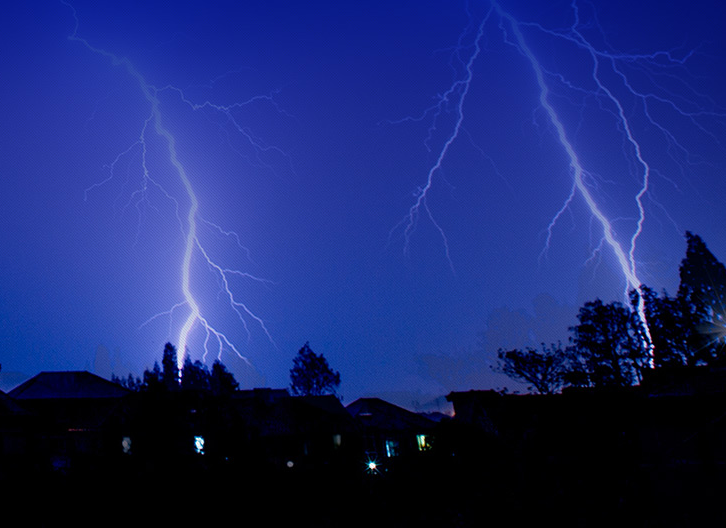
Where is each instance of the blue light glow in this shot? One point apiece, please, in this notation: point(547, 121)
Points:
point(407, 186)
point(608, 86)
point(188, 216)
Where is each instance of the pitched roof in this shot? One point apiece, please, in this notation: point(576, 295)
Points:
point(9, 408)
point(326, 403)
point(377, 413)
point(68, 384)
point(274, 412)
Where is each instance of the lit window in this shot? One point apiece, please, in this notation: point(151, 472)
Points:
point(391, 448)
point(337, 440)
point(199, 444)
point(424, 442)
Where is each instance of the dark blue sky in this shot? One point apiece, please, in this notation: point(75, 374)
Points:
point(309, 130)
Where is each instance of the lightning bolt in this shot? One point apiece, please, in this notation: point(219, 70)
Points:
point(189, 221)
point(625, 261)
point(610, 83)
point(456, 95)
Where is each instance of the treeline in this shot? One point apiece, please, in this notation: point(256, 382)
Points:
point(612, 346)
point(193, 376)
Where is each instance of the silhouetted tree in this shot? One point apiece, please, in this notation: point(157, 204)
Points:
point(152, 380)
point(221, 381)
point(608, 346)
point(702, 292)
point(610, 343)
point(544, 369)
point(170, 368)
point(667, 328)
point(130, 382)
point(311, 375)
point(195, 376)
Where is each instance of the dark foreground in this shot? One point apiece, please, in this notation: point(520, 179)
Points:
point(432, 493)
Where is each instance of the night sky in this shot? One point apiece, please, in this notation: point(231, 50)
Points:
point(308, 132)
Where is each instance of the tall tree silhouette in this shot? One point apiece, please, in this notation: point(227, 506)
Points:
point(195, 375)
point(221, 381)
point(170, 368)
point(311, 375)
point(608, 345)
point(543, 369)
point(702, 291)
point(669, 330)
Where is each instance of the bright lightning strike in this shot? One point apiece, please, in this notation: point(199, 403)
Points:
point(609, 82)
point(626, 262)
point(190, 220)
